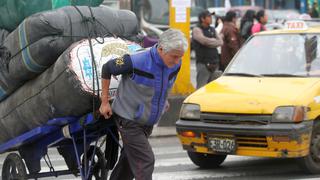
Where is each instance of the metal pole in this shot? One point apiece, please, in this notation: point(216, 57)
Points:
point(78, 158)
point(180, 19)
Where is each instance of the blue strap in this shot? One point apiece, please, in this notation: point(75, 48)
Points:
point(28, 61)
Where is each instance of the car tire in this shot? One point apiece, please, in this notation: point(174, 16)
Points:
point(311, 163)
point(206, 161)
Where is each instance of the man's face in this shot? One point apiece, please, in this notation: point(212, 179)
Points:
point(172, 57)
point(207, 20)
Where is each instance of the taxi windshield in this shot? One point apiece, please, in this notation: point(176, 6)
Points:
point(285, 55)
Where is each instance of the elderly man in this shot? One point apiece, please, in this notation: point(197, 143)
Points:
point(147, 78)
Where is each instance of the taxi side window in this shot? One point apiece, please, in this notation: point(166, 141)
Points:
point(312, 55)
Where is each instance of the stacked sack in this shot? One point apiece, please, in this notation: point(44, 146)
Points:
point(41, 38)
point(47, 77)
point(13, 12)
point(64, 89)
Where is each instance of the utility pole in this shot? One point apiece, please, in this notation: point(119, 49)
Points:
point(180, 19)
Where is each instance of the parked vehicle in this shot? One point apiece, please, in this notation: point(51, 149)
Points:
point(267, 103)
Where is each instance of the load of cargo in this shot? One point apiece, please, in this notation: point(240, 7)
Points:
point(47, 70)
point(13, 12)
point(41, 38)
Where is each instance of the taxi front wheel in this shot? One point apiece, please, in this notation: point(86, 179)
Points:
point(311, 163)
point(206, 160)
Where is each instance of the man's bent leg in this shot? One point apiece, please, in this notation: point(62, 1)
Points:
point(122, 170)
point(137, 148)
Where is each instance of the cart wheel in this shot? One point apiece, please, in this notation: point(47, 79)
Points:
point(99, 166)
point(14, 168)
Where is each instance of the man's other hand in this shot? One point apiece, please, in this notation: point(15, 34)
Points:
point(105, 110)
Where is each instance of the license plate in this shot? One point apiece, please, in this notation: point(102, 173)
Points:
point(225, 145)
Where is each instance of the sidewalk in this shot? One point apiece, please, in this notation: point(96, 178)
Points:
point(163, 131)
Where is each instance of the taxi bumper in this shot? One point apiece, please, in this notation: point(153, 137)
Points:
point(267, 140)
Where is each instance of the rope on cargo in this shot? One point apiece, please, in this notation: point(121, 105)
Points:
point(86, 20)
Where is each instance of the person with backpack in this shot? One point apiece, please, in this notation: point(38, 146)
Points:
point(262, 19)
point(246, 24)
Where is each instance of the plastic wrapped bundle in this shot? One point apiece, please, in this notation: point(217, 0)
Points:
point(64, 89)
point(14, 11)
point(41, 38)
point(3, 34)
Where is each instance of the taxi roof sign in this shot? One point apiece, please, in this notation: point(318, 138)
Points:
point(296, 25)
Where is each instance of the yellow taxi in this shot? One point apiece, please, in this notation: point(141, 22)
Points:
point(266, 103)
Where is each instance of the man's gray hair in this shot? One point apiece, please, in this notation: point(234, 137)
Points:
point(173, 39)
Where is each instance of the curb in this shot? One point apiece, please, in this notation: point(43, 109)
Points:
point(164, 131)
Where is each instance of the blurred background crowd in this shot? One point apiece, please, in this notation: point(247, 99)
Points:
point(154, 14)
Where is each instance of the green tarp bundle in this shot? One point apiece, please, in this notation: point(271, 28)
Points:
point(13, 12)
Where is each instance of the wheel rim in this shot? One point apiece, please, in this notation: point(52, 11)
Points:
point(98, 166)
point(315, 149)
point(13, 172)
point(96, 170)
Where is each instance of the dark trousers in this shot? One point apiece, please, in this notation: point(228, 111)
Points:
point(204, 76)
point(137, 158)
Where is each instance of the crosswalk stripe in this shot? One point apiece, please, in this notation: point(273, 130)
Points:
point(185, 175)
point(173, 163)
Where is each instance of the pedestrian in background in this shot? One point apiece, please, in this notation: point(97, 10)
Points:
point(246, 24)
point(218, 26)
point(231, 39)
point(262, 19)
point(205, 42)
point(141, 99)
point(314, 11)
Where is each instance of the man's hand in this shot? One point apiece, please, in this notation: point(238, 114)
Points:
point(105, 110)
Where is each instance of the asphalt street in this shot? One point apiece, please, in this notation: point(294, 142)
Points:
point(172, 163)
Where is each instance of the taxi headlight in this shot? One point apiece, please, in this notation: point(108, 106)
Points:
point(284, 114)
point(190, 111)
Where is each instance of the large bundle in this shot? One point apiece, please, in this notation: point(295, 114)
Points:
point(65, 89)
point(3, 35)
point(40, 39)
point(14, 11)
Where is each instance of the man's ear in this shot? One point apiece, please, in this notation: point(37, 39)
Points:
point(202, 19)
point(160, 49)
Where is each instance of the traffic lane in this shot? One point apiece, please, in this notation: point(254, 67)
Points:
point(236, 167)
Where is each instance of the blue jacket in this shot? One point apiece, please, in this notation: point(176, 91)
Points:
point(144, 87)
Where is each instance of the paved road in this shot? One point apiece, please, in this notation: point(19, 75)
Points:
point(172, 163)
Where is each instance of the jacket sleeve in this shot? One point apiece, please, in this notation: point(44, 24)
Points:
point(232, 41)
point(121, 65)
point(210, 42)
